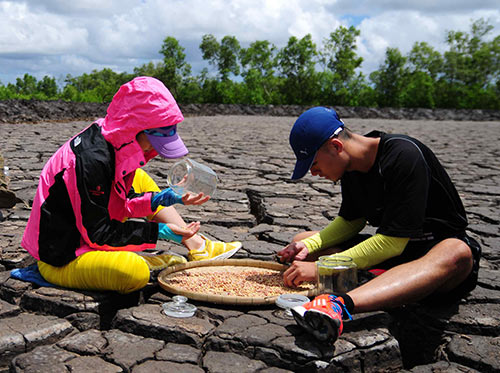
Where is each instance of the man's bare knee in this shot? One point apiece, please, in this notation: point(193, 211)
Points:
point(463, 259)
point(459, 255)
point(452, 253)
point(457, 261)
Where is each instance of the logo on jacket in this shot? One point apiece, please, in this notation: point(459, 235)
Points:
point(97, 192)
point(77, 141)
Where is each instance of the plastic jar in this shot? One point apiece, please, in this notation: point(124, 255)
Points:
point(336, 273)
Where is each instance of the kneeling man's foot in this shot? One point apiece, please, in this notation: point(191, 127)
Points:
point(322, 317)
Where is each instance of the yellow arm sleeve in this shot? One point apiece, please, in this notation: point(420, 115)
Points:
point(375, 250)
point(338, 231)
point(143, 183)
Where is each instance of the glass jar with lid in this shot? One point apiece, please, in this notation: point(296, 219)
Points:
point(336, 273)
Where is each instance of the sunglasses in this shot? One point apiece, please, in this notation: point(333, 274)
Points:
point(166, 131)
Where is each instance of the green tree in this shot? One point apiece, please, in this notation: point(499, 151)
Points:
point(209, 47)
point(47, 87)
point(258, 61)
point(26, 86)
point(418, 90)
point(424, 64)
point(367, 96)
point(424, 58)
point(470, 66)
point(191, 91)
point(470, 59)
point(341, 85)
point(223, 55)
point(390, 78)
point(149, 69)
point(229, 51)
point(70, 93)
point(98, 86)
point(296, 62)
point(175, 68)
point(208, 84)
point(6, 93)
point(339, 53)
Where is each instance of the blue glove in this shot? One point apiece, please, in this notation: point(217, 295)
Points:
point(167, 197)
point(166, 233)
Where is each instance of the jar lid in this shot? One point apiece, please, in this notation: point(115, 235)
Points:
point(178, 307)
point(288, 301)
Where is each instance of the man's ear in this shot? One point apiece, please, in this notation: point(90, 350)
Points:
point(336, 145)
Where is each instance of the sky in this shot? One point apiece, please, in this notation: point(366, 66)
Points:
point(60, 37)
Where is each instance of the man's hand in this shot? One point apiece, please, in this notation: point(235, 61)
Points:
point(293, 251)
point(194, 199)
point(299, 272)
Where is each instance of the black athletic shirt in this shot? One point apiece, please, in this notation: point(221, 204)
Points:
point(407, 192)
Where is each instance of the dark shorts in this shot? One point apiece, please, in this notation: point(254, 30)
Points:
point(416, 249)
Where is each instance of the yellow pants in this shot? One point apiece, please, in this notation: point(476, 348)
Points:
point(121, 271)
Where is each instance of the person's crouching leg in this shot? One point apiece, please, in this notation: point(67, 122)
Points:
point(120, 271)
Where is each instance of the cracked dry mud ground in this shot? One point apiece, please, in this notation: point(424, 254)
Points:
point(59, 330)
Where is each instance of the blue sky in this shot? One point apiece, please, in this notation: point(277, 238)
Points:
point(60, 37)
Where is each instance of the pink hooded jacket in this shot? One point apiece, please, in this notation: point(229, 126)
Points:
point(82, 196)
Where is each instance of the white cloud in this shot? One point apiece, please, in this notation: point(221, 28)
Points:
point(27, 33)
point(401, 29)
point(427, 7)
point(57, 37)
point(82, 8)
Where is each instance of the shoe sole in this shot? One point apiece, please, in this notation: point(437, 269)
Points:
point(322, 326)
point(298, 314)
point(227, 254)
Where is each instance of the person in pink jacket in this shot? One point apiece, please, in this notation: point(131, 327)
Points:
point(80, 229)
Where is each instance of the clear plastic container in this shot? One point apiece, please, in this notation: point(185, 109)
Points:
point(190, 176)
point(288, 301)
point(178, 307)
point(336, 273)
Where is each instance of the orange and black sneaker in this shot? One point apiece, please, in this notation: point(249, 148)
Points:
point(322, 317)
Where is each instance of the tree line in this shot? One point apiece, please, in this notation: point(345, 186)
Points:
point(465, 76)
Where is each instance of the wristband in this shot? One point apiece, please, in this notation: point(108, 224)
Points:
point(166, 197)
point(166, 233)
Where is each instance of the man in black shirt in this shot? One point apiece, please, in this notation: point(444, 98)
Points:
point(394, 183)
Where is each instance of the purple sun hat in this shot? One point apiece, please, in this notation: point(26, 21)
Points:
point(166, 141)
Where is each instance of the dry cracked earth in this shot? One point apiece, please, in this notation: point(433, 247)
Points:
point(60, 330)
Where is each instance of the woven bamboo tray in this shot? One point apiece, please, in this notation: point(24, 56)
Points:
point(225, 299)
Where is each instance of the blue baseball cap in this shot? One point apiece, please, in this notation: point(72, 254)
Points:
point(310, 131)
